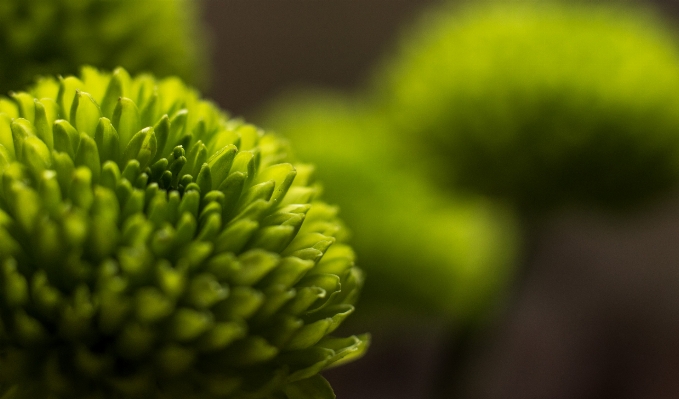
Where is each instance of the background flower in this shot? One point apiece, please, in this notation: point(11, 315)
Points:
point(541, 103)
point(48, 37)
point(424, 250)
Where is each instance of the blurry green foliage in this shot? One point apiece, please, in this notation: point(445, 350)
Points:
point(422, 250)
point(47, 37)
point(151, 247)
point(540, 103)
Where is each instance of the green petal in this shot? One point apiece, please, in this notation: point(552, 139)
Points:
point(66, 138)
point(315, 387)
point(108, 142)
point(126, 120)
point(142, 147)
point(85, 113)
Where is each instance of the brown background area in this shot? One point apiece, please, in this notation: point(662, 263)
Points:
point(264, 46)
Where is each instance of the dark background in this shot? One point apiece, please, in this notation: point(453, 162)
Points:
point(595, 315)
point(262, 47)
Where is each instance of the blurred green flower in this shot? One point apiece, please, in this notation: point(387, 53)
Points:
point(424, 251)
point(541, 103)
point(48, 37)
point(150, 247)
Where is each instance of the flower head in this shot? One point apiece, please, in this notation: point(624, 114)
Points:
point(424, 250)
point(49, 37)
point(542, 103)
point(152, 247)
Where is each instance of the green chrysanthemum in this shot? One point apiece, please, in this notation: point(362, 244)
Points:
point(150, 247)
point(542, 103)
point(424, 250)
point(48, 37)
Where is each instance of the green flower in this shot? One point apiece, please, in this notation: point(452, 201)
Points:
point(540, 103)
point(48, 37)
point(150, 247)
point(424, 251)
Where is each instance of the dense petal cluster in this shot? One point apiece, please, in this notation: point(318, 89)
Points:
point(541, 103)
point(48, 37)
point(151, 247)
